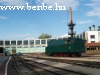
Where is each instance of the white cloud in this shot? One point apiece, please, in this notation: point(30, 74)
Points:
point(30, 38)
point(94, 12)
point(95, 5)
point(64, 36)
point(13, 2)
point(26, 35)
point(23, 35)
point(3, 17)
point(84, 21)
point(67, 3)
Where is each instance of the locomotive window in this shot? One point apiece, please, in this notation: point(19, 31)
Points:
point(68, 41)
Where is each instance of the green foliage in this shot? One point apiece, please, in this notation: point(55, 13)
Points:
point(98, 28)
point(44, 36)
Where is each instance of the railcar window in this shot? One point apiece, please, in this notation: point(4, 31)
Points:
point(19, 42)
point(25, 42)
point(1, 42)
point(43, 41)
point(31, 42)
point(13, 42)
point(7, 42)
point(37, 41)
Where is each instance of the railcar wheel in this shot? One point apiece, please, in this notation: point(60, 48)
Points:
point(73, 55)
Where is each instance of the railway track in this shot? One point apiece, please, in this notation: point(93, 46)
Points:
point(74, 62)
point(55, 70)
point(23, 67)
point(11, 70)
point(15, 66)
point(81, 70)
point(26, 69)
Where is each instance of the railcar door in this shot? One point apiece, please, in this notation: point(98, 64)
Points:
point(13, 50)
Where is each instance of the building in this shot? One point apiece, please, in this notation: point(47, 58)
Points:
point(92, 38)
point(23, 46)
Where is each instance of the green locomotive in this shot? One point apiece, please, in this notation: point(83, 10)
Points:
point(65, 47)
point(68, 46)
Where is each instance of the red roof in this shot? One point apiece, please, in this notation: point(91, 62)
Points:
point(92, 44)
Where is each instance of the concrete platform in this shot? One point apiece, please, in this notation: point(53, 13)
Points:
point(3, 64)
point(91, 59)
point(76, 68)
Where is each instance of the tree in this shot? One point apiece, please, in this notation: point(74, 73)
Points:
point(44, 36)
point(98, 28)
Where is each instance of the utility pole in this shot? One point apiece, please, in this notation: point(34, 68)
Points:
point(71, 24)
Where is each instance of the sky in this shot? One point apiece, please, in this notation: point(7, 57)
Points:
point(30, 24)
